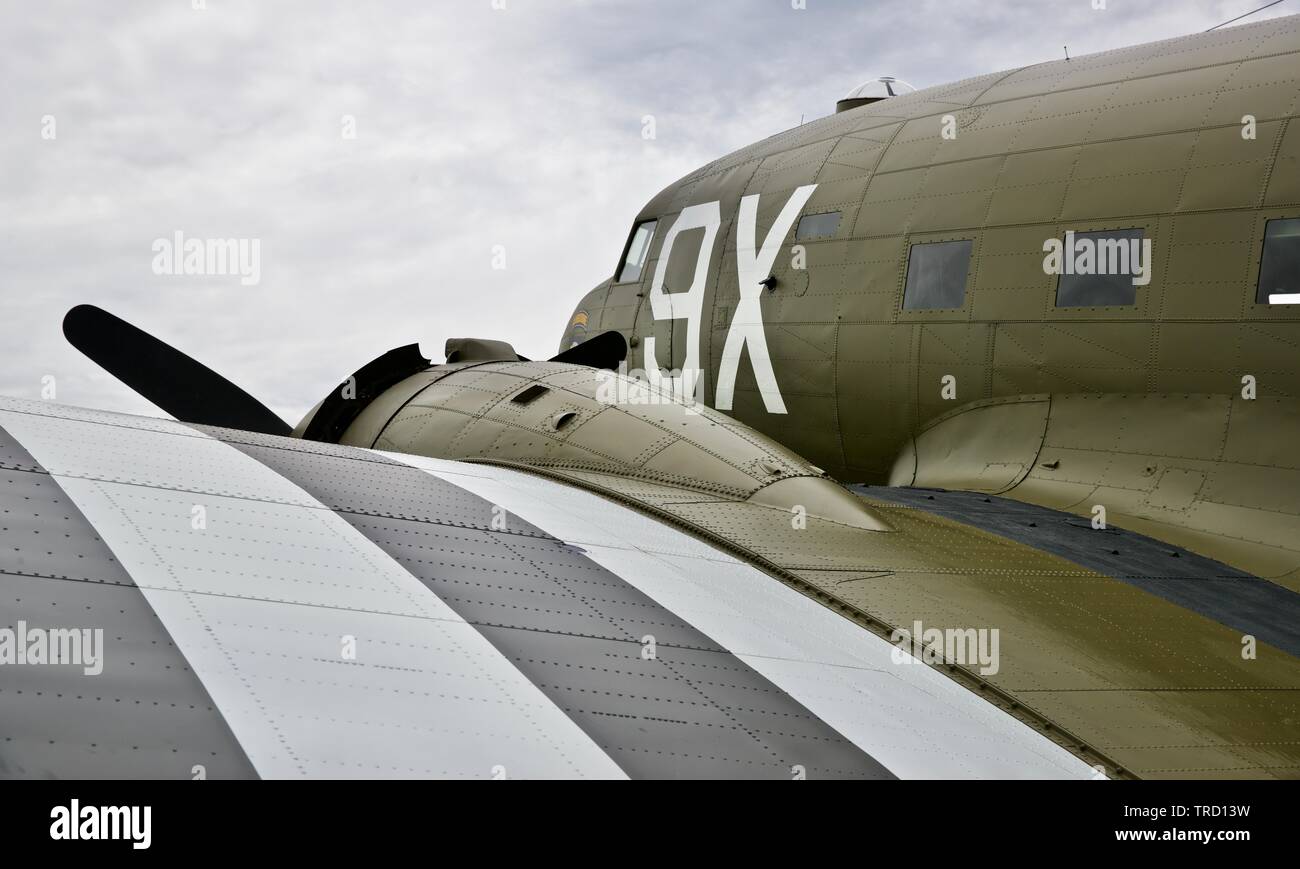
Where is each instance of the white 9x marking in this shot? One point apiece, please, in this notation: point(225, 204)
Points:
point(753, 264)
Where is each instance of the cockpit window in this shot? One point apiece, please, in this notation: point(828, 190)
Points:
point(822, 225)
point(1279, 270)
point(638, 247)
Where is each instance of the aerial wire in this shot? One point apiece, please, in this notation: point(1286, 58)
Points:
point(1239, 17)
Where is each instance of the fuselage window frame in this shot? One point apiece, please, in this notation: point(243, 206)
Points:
point(1075, 291)
point(642, 253)
point(1283, 263)
point(820, 224)
point(940, 288)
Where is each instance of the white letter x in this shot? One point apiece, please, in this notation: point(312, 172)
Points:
point(752, 266)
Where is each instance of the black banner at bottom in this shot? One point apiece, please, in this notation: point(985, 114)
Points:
point(125, 819)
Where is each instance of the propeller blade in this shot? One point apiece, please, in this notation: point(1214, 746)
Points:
point(605, 350)
point(183, 387)
point(341, 407)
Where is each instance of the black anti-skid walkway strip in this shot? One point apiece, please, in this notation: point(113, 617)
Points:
point(146, 715)
point(662, 699)
point(1238, 600)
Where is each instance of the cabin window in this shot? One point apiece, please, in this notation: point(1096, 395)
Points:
point(1279, 269)
point(638, 248)
point(1101, 269)
point(822, 225)
point(936, 275)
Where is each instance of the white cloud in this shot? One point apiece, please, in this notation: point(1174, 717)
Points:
point(475, 128)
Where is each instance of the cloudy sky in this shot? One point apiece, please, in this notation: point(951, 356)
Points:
point(475, 127)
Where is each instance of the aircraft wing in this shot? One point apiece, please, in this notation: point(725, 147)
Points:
point(273, 607)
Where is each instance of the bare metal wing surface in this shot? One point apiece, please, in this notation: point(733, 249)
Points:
point(279, 608)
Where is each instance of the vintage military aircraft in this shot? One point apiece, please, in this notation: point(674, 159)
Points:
point(951, 435)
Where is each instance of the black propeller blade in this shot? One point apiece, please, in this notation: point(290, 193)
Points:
point(184, 387)
point(341, 407)
point(605, 350)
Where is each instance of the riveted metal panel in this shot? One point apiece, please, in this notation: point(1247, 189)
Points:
point(844, 674)
point(659, 696)
point(146, 715)
point(1229, 596)
point(326, 657)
